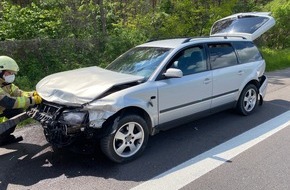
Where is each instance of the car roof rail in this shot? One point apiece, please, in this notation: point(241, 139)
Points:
point(155, 39)
point(186, 40)
point(151, 40)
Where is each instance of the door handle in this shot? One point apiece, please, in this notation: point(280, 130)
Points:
point(241, 72)
point(206, 81)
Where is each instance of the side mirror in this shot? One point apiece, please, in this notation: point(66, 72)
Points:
point(173, 73)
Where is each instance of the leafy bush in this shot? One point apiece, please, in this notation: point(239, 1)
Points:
point(28, 22)
point(39, 58)
point(279, 36)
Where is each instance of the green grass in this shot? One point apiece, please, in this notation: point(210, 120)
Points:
point(26, 122)
point(276, 59)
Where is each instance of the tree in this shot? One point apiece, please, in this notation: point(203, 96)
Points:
point(279, 36)
point(28, 22)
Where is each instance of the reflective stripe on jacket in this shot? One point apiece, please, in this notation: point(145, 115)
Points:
point(11, 97)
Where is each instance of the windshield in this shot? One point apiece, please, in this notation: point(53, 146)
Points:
point(141, 61)
point(242, 24)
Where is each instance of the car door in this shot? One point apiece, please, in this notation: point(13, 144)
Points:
point(247, 25)
point(189, 94)
point(228, 75)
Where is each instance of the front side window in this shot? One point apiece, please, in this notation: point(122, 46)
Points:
point(190, 61)
point(222, 55)
point(141, 61)
point(247, 52)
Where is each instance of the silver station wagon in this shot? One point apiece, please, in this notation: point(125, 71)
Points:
point(156, 86)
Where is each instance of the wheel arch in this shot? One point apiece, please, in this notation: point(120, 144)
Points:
point(238, 105)
point(127, 111)
point(253, 81)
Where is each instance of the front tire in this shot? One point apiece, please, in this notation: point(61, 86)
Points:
point(248, 100)
point(128, 140)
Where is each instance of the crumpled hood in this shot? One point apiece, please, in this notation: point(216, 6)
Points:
point(80, 86)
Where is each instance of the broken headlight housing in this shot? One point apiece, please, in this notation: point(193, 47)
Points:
point(72, 117)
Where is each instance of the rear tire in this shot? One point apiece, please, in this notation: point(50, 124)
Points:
point(248, 100)
point(128, 140)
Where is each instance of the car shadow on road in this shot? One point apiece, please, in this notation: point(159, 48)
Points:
point(29, 164)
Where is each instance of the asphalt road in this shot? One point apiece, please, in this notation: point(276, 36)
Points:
point(32, 164)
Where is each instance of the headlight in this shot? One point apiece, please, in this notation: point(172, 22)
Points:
point(72, 117)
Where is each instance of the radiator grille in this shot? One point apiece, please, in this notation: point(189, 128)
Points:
point(44, 113)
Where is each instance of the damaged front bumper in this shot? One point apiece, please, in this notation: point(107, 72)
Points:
point(99, 111)
point(92, 115)
point(62, 125)
point(73, 120)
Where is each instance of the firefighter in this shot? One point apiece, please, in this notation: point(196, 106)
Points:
point(13, 101)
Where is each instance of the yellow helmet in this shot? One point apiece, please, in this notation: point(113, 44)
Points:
point(7, 63)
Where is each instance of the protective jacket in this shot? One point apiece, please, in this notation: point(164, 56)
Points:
point(11, 97)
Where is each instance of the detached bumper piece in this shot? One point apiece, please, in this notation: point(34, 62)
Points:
point(12, 122)
point(10, 139)
point(5, 126)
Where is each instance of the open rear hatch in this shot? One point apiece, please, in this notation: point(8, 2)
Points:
point(247, 25)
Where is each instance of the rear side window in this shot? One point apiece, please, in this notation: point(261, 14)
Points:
point(222, 55)
point(247, 52)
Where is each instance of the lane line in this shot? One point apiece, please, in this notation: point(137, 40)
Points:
point(196, 167)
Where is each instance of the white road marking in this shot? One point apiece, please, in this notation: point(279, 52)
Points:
point(196, 167)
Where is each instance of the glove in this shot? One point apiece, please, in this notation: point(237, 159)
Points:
point(37, 99)
point(35, 93)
